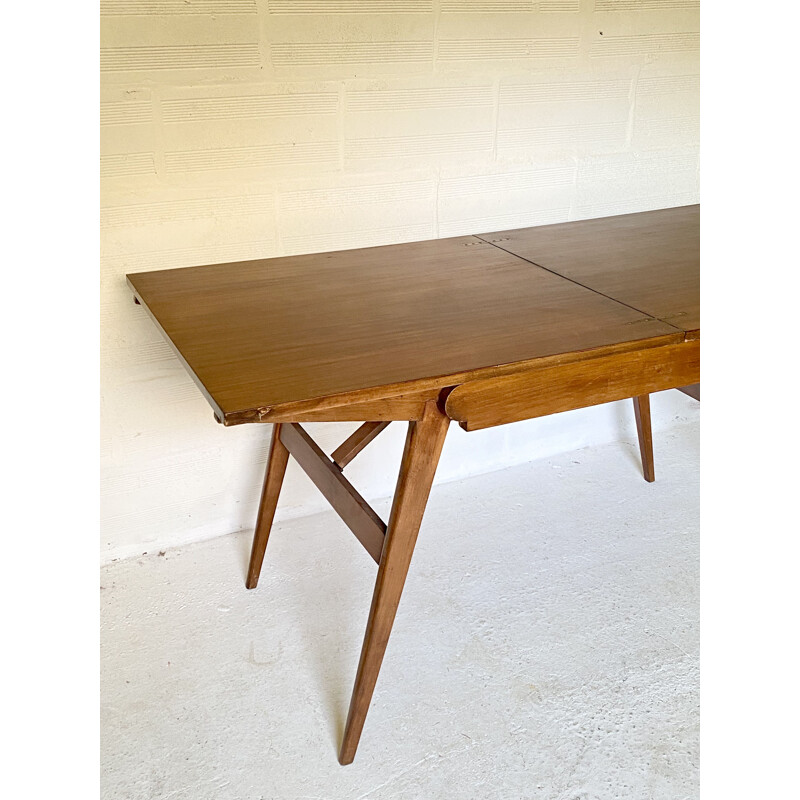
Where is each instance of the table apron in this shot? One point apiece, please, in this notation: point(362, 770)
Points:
point(549, 390)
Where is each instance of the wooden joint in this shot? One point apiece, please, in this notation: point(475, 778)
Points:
point(441, 402)
point(353, 509)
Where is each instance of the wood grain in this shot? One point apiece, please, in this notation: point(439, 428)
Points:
point(258, 335)
point(354, 510)
point(385, 409)
point(421, 455)
point(273, 480)
point(386, 402)
point(538, 392)
point(649, 260)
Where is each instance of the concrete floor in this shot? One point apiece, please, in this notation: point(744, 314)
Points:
point(546, 647)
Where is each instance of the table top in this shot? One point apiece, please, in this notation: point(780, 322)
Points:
point(649, 261)
point(284, 330)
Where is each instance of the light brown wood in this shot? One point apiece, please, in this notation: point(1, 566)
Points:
point(641, 408)
point(538, 392)
point(385, 409)
point(693, 391)
point(354, 510)
point(649, 260)
point(421, 455)
point(259, 335)
point(273, 480)
point(356, 442)
point(387, 402)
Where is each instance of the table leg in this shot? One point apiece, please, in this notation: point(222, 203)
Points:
point(641, 407)
point(421, 455)
point(693, 390)
point(276, 469)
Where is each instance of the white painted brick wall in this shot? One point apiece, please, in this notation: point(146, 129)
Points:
point(238, 129)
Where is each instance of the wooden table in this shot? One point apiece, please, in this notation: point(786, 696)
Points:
point(484, 330)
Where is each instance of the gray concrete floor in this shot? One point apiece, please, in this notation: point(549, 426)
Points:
point(546, 647)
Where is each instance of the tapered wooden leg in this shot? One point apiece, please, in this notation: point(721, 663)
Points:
point(641, 407)
point(420, 457)
point(693, 390)
point(276, 469)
